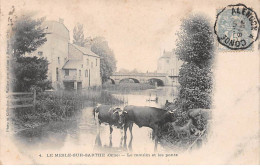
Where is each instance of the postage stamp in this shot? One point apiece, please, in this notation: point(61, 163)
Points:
point(237, 27)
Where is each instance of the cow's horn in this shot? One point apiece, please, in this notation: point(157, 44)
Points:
point(125, 111)
point(172, 111)
point(115, 112)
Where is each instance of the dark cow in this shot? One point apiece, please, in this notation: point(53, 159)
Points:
point(108, 114)
point(144, 116)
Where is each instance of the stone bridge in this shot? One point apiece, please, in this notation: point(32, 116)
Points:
point(159, 79)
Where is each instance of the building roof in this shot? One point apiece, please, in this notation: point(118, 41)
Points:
point(72, 64)
point(166, 54)
point(58, 28)
point(85, 51)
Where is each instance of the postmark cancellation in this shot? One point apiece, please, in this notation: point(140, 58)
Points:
point(237, 27)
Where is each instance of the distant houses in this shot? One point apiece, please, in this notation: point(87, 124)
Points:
point(70, 66)
point(169, 64)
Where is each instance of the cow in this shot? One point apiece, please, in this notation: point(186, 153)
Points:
point(196, 115)
point(144, 116)
point(206, 113)
point(108, 114)
point(188, 128)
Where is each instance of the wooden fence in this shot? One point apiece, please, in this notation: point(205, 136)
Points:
point(21, 99)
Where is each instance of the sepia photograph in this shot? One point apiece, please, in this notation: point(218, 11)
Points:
point(130, 82)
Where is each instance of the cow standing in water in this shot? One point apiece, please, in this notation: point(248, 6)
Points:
point(144, 116)
point(108, 114)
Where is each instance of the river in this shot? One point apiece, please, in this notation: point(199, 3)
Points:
point(83, 134)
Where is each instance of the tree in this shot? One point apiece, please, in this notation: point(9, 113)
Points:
point(100, 47)
point(27, 35)
point(31, 72)
point(122, 70)
point(107, 58)
point(195, 46)
point(195, 42)
point(78, 35)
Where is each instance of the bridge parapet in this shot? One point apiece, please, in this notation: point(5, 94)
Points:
point(141, 74)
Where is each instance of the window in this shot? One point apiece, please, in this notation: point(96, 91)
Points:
point(40, 53)
point(96, 62)
point(79, 72)
point(87, 62)
point(81, 65)
point(57, 74)
point(58, 60)
point(86, 73)
point(91, 64)
point(67, 72)
point(167, 61)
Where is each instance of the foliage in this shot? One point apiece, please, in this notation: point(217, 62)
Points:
point(195, 46)
point(122, 70)
point(196, 86)
point(61, 105)
point(27, 35)
point(30, 72)
point(100, 47)
point(78, 35)
point(195, 43)
point(107, 57)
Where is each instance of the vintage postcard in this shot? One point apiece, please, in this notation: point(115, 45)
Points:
point(129, 82)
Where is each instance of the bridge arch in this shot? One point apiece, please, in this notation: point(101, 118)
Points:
point(111, 80)
point(129, 80)
point(155, 81)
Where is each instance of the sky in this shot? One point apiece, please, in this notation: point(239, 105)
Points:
point(137, 31)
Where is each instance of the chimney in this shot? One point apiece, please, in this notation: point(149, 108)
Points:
point(61, 20)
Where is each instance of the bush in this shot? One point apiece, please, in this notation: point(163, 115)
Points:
point(196, 42)
point(61, 105)
point(195, 47)
point(196, 87)
point(30, 72)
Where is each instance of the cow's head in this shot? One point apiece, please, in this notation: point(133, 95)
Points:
point(171, 115)
point(116, 115)
point(122, 118)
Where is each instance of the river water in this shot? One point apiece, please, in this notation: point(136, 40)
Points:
point(84, 135)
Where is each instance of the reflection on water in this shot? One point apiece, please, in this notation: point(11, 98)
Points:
point(84, 134)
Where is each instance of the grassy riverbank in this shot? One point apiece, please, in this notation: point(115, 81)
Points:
point(59, 106)
point(65, 105)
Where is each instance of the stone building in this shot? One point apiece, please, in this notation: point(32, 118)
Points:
point(169, 64)
point(70, 66)
point(82, 69)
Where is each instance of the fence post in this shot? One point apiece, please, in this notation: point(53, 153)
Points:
point(34, 99)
